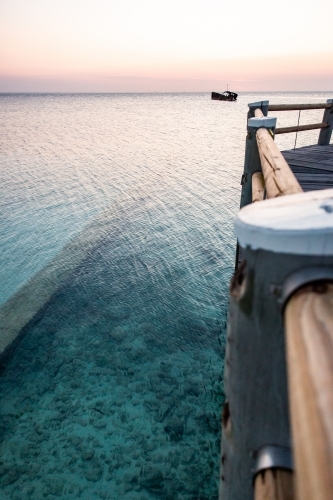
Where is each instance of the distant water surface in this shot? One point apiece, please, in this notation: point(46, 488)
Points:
point(115, 389)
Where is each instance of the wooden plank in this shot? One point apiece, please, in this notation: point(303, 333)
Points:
point(315, 179)
point(321, 151)
point(315, 147)
point(310, 187)
point(306, 169)
point(325, 152)
point(274, 484)
point(279, 179)
point(303, 170)
point(311, 166)
point(255, 383)
point(309, 338)
point(258, 187)
point(251, 164)
point(320, 167)
point(310, 157)
point(307, 158)
point(300, 128)
point(314, 187)
point(325, 135)
point(296, 107)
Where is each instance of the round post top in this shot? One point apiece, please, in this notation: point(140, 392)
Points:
point(296, 224)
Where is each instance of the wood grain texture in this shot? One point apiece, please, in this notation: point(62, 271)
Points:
point(279, 179)
point(296, 107)
point(309, 339)
point(319, 152)
point(326, 134)
point(258, 187)
point(315, 165)
point(251, 164)
point(274, 484)
point(300, 128)
point(258, 113)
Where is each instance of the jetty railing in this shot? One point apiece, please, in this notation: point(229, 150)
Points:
point(279, 359)
point(260, 126)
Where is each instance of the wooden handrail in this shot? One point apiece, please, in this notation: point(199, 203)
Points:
point(258, 187)
point(297, 107)
point(274, 484)
point(279, 179)
point(299, 128)
point(258, 113)
point(309, 338)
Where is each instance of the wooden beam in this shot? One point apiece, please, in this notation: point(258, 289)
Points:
point(258, 113)
point(309, 338)
point(274, 484)
point(258, 187)
point(251, 164)
point(279, 179)
point(325, 135)
point(296, 107)
point(300, 128)
point(262, 105)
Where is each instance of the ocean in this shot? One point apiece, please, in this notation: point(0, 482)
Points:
point(117, 247)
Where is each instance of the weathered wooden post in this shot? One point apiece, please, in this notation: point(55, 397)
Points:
point(252, 161)
point(283, 241)
point(326, 133)
point(258, 187)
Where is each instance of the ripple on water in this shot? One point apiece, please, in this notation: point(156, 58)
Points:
point(115, 389)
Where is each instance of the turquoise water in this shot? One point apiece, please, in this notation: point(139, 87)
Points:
point(115, 389)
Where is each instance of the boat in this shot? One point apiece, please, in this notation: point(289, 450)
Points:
point(226, 96)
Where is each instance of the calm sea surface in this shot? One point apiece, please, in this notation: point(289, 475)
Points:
point(118, 209)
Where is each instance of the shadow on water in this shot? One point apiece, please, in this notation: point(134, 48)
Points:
point(115, 389)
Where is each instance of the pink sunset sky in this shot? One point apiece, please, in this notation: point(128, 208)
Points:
point(165, 46)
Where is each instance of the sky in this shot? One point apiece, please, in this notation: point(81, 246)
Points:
point(165, 45)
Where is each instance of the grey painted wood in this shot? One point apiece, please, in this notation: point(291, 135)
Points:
point(317, 167)
point(307, 170)
point(309, 158)
point(251, 164)
point(252, 160)
point(257, 411)
point(255, 369)
point(314, 148)
point(325, 134)
point(263, 105)
point(315, 178)
point(316, 160)
point(312, 155)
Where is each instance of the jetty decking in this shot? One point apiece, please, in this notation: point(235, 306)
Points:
point(312, 166)
point(277, 422)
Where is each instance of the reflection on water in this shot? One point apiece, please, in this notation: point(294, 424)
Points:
point(115, 388)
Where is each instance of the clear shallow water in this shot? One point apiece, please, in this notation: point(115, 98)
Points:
point(115, 389)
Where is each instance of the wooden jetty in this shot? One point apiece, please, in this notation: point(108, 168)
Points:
point(277, 422)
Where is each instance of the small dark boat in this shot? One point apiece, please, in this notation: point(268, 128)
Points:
point(226, 96)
